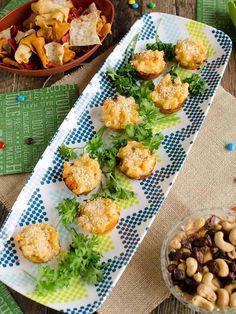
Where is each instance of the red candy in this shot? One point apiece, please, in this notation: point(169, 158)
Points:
point(2, 145)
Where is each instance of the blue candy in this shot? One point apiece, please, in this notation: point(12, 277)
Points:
point(230, 147)
point(134, 6)
point(21, 98)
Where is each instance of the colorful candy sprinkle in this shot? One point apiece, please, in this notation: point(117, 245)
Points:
point(29, 141)
point(230, 147)
point(2, 145)
point(21, 98)
point(135, 6)
point(151, 5)
point(131, 2)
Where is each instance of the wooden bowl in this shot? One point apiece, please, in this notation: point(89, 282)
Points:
point(18, 15)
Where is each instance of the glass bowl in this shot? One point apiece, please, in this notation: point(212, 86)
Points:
point(222, 213)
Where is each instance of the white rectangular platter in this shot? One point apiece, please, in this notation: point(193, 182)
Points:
point(45, 189)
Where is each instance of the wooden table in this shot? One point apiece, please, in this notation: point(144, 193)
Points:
point(125, 17)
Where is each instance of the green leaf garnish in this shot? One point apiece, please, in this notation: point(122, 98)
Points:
point(82, 260)
point(67, 152)
point(197, 84)
point(68, 210)
point(168, 48)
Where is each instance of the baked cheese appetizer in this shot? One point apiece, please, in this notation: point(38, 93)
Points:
point(169, 95)
point(99, 215)
point(83, 175)
point(39, 243)
point(191, 53)
point(119, 112)
point(149, 64)
point(136, 161)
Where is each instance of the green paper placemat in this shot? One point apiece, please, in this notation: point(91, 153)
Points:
point(7, 303)
point(10, 6)
point(38, 117)
point(216, 14)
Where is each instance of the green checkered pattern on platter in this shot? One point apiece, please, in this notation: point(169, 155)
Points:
point(196, 30)
point(7, 303)
point(215, 13)
point(125, 183)
point(75, 291)
point(38, 117)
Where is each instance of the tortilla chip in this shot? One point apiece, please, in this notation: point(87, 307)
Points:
point(9, 62)
point(20, 35)
point(48, 19)
point(68, 55)
point(48, 6)
point(39, 43)
point(30, 22)
point(83, 30)
point(23, 54)
point(59, 30)
point(28, 40)
point(6, 33)
point(103, 28)
point(46, 33)
point(54, 53)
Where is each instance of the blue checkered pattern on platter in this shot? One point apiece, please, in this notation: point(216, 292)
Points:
point(35, 212)
point(9, 257)
point(134, 223)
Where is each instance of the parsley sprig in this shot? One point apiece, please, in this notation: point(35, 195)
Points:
point(82, 260)
point(197, 84)
point(168, 48)
point(68, 210)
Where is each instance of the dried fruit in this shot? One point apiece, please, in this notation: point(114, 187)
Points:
point(179, 274)
point(187, 244)
point(211, 221)
point(200, 242)
point(199, 255)
point(213, 267)
point(232, 267)
point(171, 268)
point(175, 255)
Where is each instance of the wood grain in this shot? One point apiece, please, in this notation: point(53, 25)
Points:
point(125, 17)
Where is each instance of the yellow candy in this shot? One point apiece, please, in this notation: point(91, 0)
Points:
point(131, 1)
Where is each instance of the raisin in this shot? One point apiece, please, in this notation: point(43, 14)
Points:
point(211, 222)
point(200, 242)
point(214, 250)
point(232, 275)
point(225, 281)
point(192, 237)
point(213, 267)
point(171, 268)
point(185, 255)
point(209, 241)
point(179, 274)
point(175, 255)
point(219, 254)
point(187, 244)
point(189, 285)
point(233, 267)
point(198, 254)
point(211, 233)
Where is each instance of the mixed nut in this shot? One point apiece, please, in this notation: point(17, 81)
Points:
point(202, 262)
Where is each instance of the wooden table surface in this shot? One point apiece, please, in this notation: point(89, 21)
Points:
point(125, 17)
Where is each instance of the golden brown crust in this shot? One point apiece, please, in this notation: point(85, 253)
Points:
point(191, 53)
point(98, 216)
point(39, 243)
point(170, 95)
point(83, 175)
point(149, 64)
point(120, 111)
point(136, 161)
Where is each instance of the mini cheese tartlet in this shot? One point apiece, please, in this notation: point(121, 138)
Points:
point(119, 112)
point(149, 64)
point(99, 215)
point(169, 95)
point(136, 161)
point(39, 243)
point(83, 175)
point(191, 53)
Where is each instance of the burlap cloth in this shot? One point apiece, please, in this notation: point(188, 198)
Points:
point(207, 179)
